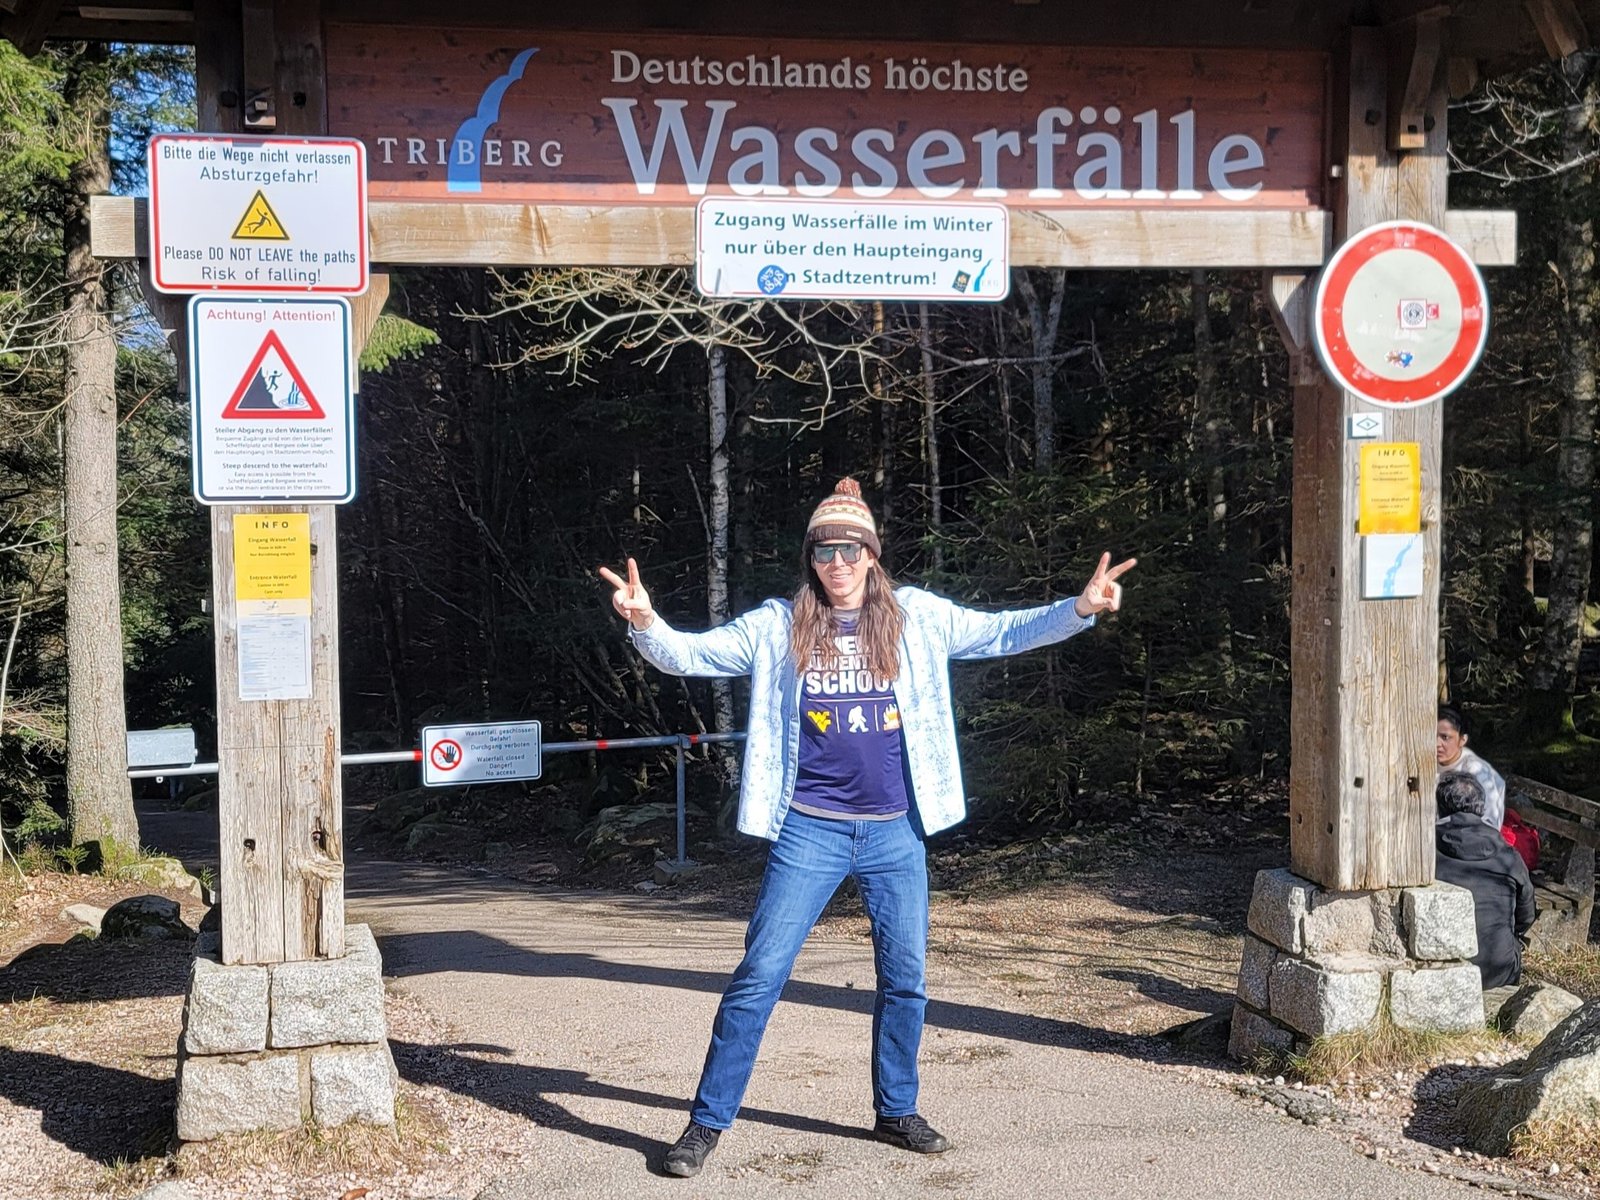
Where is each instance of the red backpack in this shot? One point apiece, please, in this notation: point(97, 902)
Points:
point(1521, 837)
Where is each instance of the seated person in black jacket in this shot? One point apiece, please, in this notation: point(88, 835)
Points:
point(1474, 856)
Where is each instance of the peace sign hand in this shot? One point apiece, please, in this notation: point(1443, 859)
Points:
point(1103, 593)
point(630, 599)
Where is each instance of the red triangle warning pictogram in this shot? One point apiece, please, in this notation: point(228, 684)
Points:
point(273, 388)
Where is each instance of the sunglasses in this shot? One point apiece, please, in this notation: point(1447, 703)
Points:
point(822, 554)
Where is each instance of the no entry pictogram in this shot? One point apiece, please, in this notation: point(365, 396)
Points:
point(446, 755)
point(1401, 315)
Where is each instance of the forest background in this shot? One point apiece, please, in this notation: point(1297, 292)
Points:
point(517, 430)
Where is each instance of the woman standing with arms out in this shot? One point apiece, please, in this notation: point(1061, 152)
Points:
point(850, 762)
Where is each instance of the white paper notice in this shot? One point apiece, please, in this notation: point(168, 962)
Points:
point(1391, 565)
point(275, 657)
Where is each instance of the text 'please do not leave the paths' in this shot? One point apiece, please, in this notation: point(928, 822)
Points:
point(258, 216)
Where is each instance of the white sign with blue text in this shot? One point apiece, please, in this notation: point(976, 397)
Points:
point(500, 753)
point(748, 248)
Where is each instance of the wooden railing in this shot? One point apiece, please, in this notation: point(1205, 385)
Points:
point(1564, 883)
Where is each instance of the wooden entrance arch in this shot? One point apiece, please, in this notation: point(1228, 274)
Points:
point(1279, 128)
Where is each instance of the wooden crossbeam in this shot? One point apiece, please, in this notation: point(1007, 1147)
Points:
point(30, 26)
point(1560, 26)
point(1415, 58)
point(510, 235)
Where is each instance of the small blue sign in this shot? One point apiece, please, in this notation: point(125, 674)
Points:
point(772, 279)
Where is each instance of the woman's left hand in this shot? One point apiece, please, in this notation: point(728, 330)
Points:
point(1103, 593)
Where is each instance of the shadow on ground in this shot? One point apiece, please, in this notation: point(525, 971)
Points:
point(469, 951)
point(1170, 991)
point(533, 1093)
point(1435, 1119)
point(103, 1113)
point(90, 970)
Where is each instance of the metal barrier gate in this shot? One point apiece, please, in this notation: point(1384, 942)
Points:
point(682, 742)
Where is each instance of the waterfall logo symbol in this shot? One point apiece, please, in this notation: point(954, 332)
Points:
point(468, 176)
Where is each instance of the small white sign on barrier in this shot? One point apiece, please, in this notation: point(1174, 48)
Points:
point(750, 248)
point(501, 753)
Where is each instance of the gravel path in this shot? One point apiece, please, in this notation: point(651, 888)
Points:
point(548, 1039)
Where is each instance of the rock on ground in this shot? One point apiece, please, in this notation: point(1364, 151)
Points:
point(1560, 1079)
point(85, 914)
point(1535, 1009)
point(144, 917)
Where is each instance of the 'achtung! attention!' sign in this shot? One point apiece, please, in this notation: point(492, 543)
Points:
point(617, 118)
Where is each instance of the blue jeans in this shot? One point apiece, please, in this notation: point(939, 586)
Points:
point(810, 859)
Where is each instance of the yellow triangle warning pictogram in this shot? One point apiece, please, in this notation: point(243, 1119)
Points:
point(260, 223)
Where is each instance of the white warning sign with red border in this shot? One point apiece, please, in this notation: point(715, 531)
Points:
point(260, 216)
point(272, 400)
point(1401, 315)
point(499, 753)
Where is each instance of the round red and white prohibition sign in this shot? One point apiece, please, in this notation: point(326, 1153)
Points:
point(446, 754)
point(1401, 315)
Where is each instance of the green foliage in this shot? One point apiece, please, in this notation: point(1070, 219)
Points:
point(165, 568)
point(393, 338)
point(39, 822)
point(72, 857)
point(30, 112)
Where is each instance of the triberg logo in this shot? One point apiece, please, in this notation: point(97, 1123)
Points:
point(671, 119)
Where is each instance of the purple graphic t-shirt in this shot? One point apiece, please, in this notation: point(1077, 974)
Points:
point(850, 749)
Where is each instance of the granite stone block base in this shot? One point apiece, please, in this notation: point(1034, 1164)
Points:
point(278, 1046)
point(1318, 963)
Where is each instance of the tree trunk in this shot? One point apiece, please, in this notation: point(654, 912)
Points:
point(744, 479)
point(884, 431)
point(717, 543)
point(1209, 411)
point(930, 438)
point(1044, 319)
point(1555, 665)
point(1530, 549)
point(99, 797)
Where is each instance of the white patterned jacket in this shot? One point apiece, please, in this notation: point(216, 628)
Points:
point(936, 631)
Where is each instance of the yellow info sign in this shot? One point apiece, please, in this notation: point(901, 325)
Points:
point(1390, 492)
point(272, 559)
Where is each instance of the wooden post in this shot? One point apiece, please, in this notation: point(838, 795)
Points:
point(1365, 671)
point(279, 786)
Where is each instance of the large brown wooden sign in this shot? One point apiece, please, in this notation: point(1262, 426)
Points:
point(571, 118)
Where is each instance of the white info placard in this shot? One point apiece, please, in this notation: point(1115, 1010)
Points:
point(750, 248)
point(268, 216)
point(272, 400)
point(453, 754)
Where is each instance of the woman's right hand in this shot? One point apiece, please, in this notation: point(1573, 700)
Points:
point(630, 599)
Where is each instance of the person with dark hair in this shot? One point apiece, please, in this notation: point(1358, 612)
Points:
point(850, 762)
point(1455, 758)
point(1471, 855)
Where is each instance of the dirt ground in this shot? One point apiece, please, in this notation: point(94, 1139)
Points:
point(1120, 937)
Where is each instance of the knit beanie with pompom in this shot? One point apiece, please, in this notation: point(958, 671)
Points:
point(844, 517)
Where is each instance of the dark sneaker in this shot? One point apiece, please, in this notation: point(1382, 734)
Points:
point(911, 1133)
point(689, 1152)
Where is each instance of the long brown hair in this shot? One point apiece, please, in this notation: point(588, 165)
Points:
point(813, 627)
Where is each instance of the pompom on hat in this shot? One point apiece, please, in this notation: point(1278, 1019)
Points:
point(844, 517)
